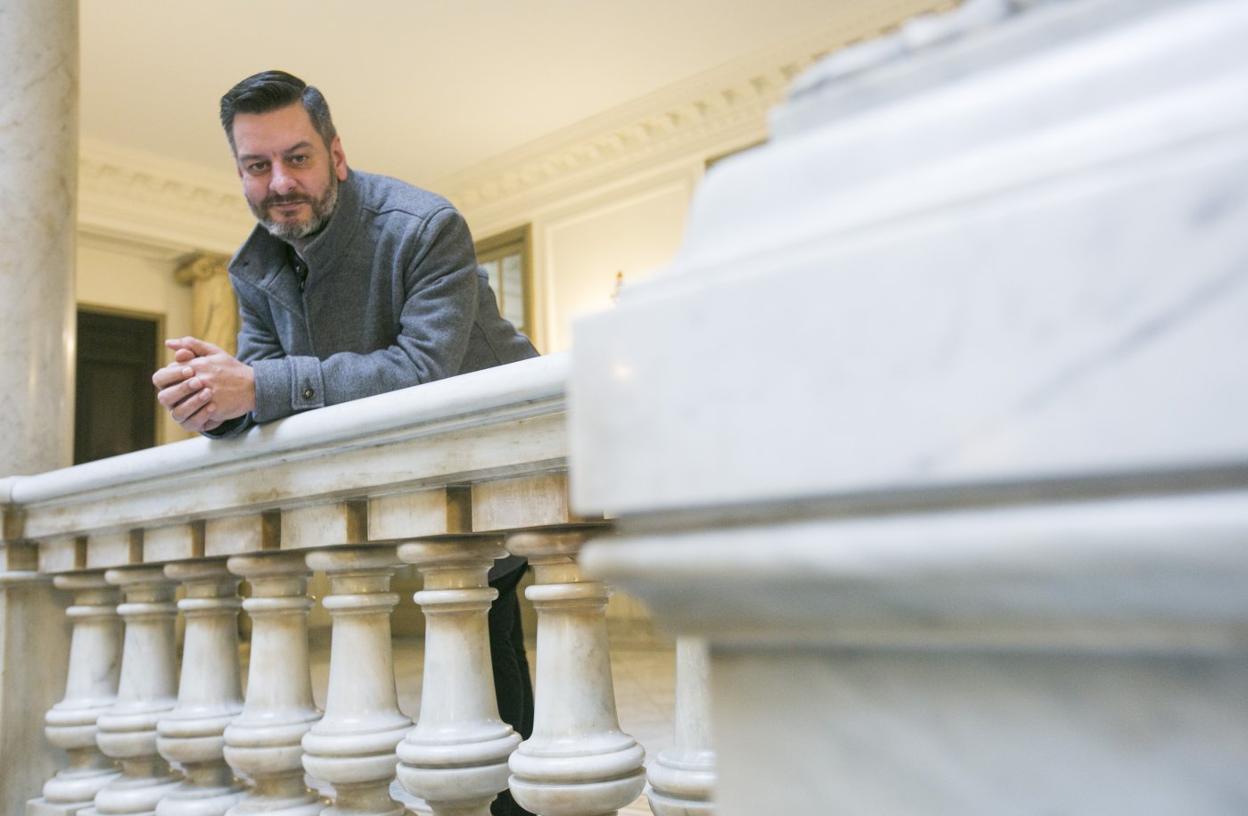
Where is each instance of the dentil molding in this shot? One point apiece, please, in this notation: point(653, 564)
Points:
point(724, 105)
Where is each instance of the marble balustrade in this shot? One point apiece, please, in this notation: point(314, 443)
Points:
point(447, 478)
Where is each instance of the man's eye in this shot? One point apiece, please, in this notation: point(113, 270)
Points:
point(257, 167)
point(298, 159)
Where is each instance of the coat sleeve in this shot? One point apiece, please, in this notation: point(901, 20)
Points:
point(257, 342)
point(436, 323)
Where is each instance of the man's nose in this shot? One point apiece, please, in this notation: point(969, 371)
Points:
point(281, 183)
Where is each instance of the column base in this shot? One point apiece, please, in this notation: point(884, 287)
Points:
point(610, 770)
point(42, 807)
point(193, 800)
point(77, 788)
point(681, 785)
point(249, 805)
point(577, 798)
point(661, 805)
point(134, 797)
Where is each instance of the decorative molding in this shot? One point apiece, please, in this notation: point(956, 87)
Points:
point(725, 105)
point(134, 195)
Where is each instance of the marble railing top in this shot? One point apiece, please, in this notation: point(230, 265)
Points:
point(481, 453)
point(535, 386)
point(1026, 277)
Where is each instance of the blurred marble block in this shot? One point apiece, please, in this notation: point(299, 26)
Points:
point(934, 430)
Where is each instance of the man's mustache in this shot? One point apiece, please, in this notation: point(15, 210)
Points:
point(279, 201)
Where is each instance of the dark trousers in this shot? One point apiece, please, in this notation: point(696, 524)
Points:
point(511, 672)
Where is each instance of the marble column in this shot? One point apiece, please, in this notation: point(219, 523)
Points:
point(455, 758)
point(90, 690)
point(352, 747)
point(209, 692)
point(127, 731)
point(682, 780)
point(38, 184)
point(263, 742)
point(578, 762)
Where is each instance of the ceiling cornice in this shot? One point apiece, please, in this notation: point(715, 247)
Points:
point(137, 196)
point(725, 105)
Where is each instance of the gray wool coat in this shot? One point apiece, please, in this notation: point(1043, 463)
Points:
point(393, 298)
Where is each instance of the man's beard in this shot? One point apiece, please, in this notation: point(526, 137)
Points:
point(322, 209)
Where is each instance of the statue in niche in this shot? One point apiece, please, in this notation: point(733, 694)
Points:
point(214, 311)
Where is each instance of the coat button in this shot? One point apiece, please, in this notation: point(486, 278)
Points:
point(308, 393)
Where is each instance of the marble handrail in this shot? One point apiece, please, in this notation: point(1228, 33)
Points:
point(534, 384)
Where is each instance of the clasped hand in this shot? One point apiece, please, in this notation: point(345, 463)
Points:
point(204, 385)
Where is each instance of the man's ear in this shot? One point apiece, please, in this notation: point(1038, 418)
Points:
point(339, 157)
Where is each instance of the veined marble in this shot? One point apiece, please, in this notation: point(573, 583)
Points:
point(934, 430)
point(978, 283)
point(38, 161)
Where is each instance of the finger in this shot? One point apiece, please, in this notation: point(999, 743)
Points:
point(171, 375)
point(183, 356)
point(203, 418)
point(202, 348)
point(172, 396)
point(189, 406)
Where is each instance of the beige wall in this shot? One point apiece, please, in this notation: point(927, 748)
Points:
point(135, 278)
point(632, 224)
point(634, 232)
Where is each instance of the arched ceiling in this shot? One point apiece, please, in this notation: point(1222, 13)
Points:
point(420, 89)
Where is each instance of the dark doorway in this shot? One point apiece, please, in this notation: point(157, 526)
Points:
point(115, 405)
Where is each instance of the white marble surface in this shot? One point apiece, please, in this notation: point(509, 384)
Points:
point(914, 733)
point(263, 743)
point(352, 747)
point(38, 177)
point(32, 623)
point(682, 779)
point(935, 428)
point(528, 387)
point(90, 690)
point(507, 420)
point(209, 692)
point(1048, 282)
point(578, 761)
point(455, 758)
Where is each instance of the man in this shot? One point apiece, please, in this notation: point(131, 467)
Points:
point(350, 285)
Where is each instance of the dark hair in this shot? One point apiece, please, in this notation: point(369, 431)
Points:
point(269, 91)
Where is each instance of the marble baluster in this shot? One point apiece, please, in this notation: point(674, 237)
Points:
point(682, 780)
point(263, 743)
point(90, 690)
point(209, 693)
point(146, 692)
point(456, 757)
point(578, 762)
point(352, 747)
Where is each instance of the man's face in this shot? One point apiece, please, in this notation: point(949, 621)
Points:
point(290, 178)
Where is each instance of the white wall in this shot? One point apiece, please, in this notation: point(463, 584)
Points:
point(581, 239)
point(584, 247)
point(135, 278)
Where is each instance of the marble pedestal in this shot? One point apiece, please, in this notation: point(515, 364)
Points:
point(934, 428)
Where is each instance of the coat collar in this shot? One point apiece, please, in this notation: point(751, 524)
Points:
point(262, 257)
